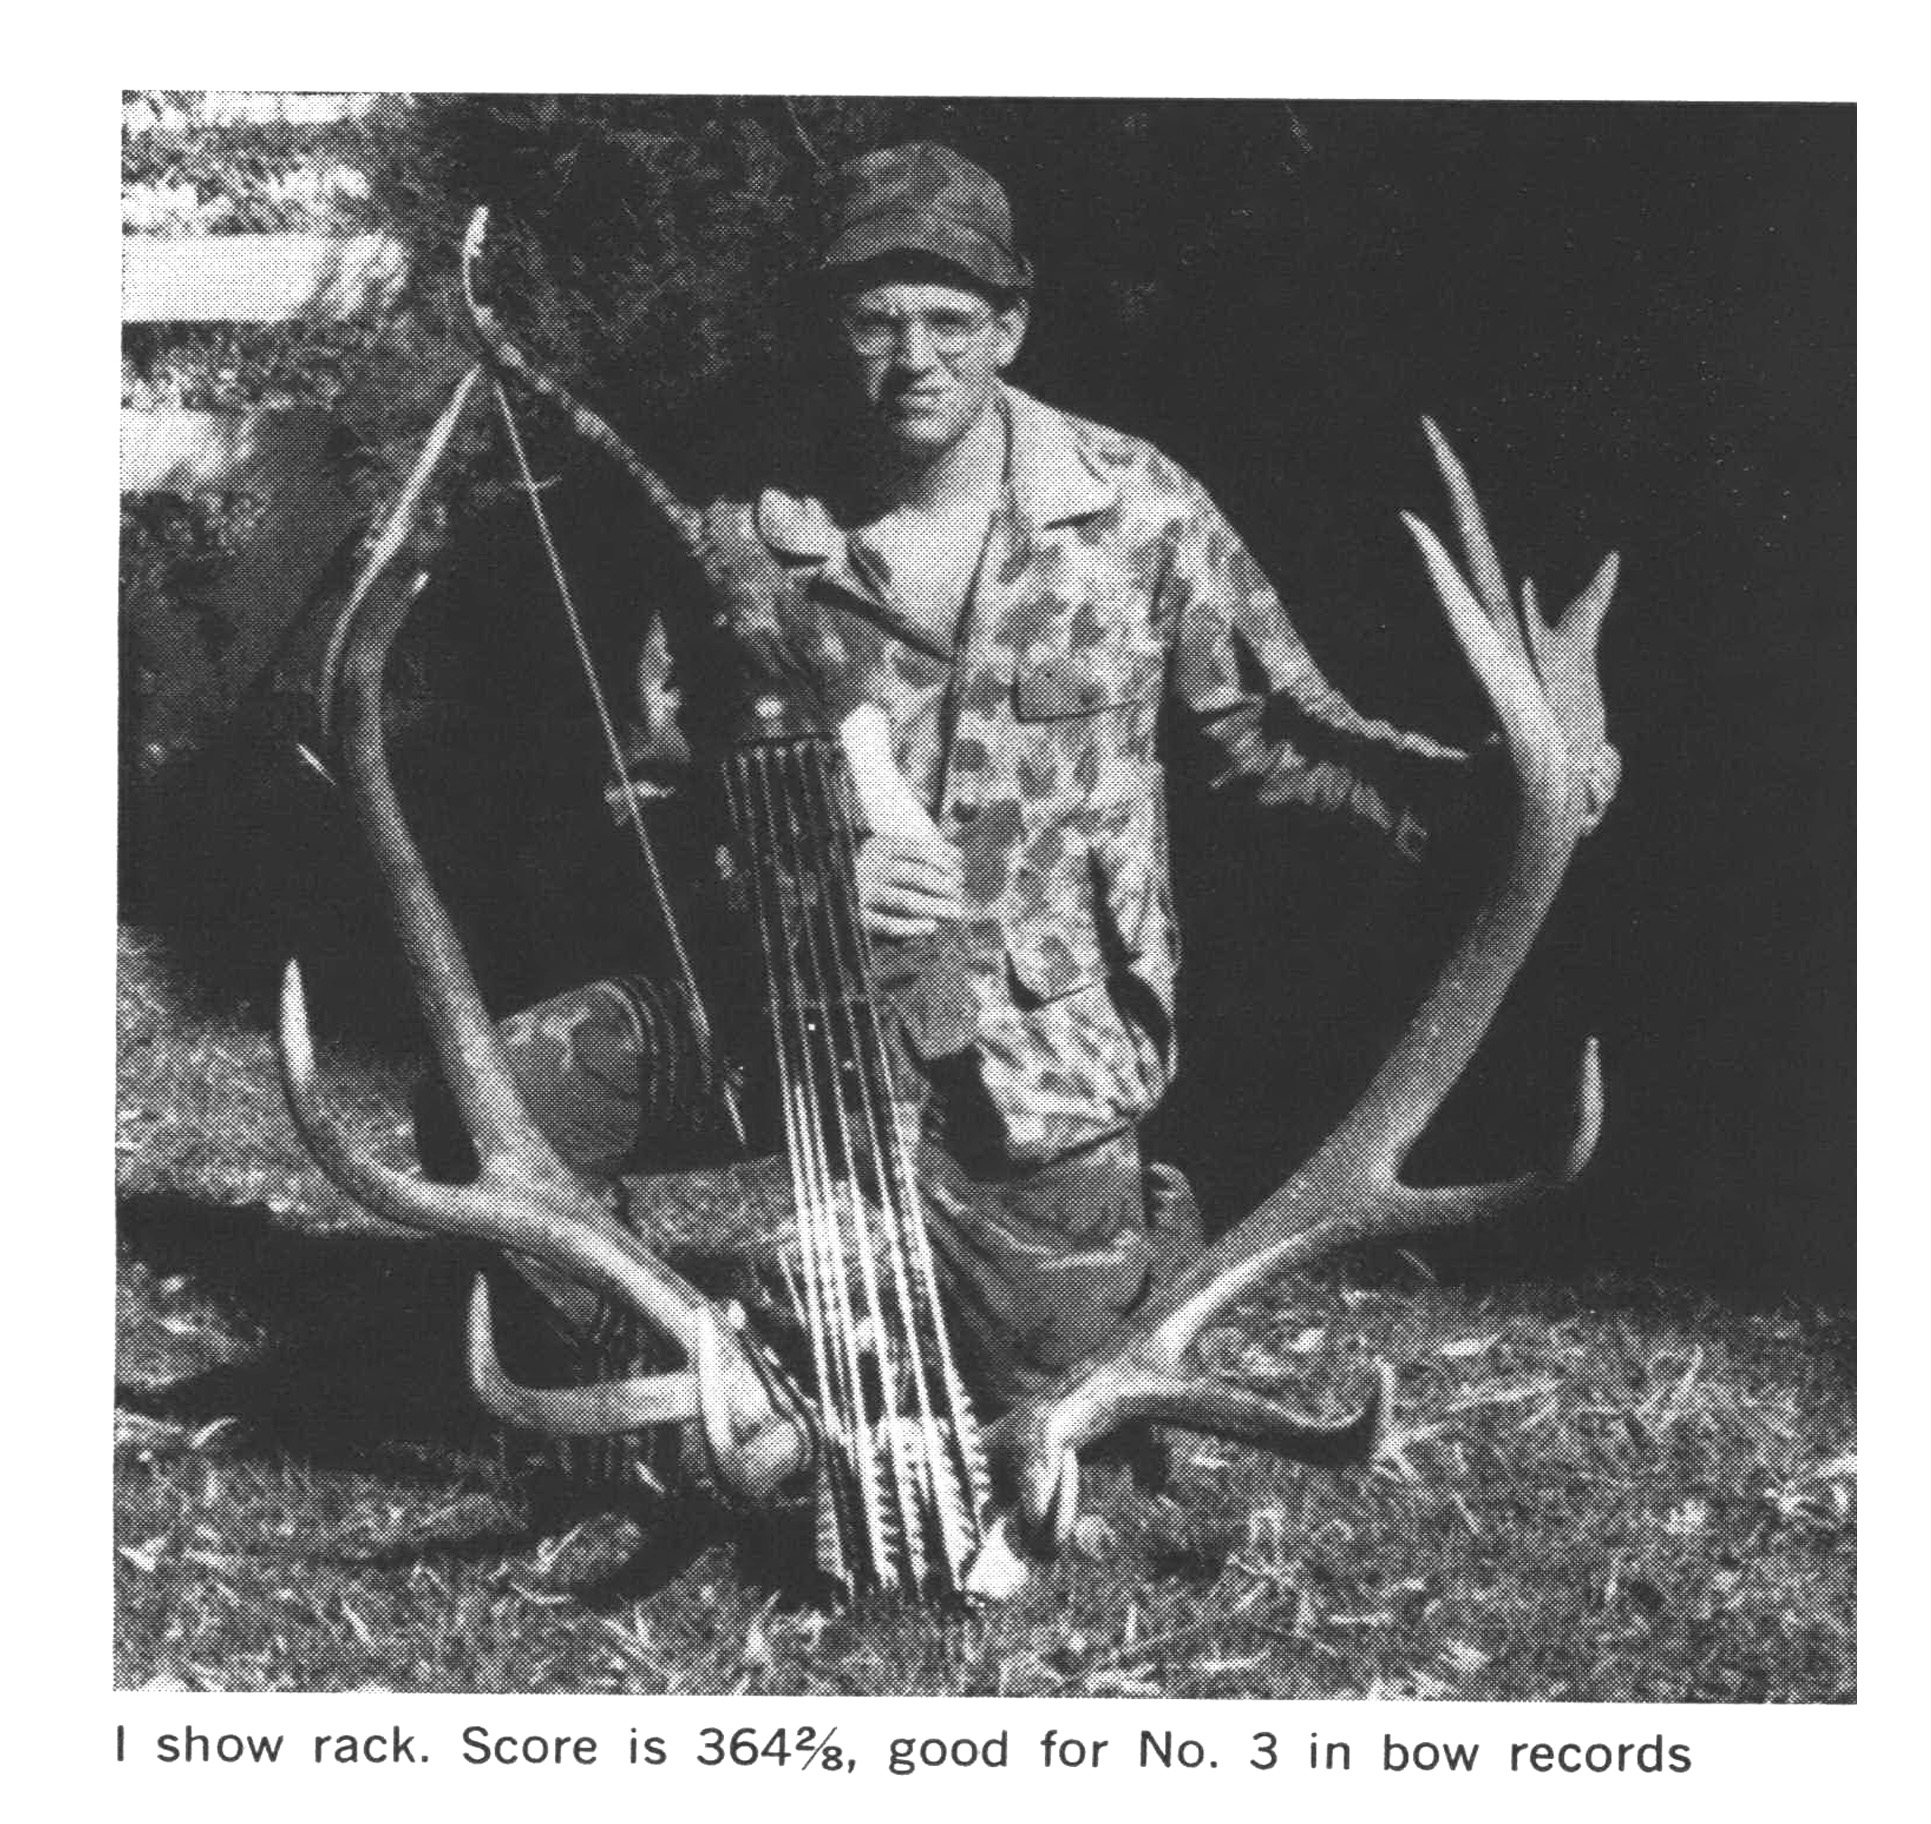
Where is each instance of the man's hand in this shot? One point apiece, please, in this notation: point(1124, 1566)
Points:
point(1601, 775)
point(910, 879)
point(909, 884)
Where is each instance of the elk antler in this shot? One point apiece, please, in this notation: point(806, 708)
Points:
point(1541, 681)
point(525, 1197)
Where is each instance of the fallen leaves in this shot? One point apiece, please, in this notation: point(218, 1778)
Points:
point(1515, 1393)
point(1462, 1658)
point(146, 1557)
point(1687, 1518)
point(1646, 1499)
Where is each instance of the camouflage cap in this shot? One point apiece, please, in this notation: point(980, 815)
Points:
point(923, 198)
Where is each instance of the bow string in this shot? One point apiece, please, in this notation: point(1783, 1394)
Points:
point(504, 357)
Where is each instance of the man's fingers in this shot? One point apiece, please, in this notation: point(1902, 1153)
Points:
point(908, 886)
point(911, 879)
point(914, 899)
point(907, 870)
point(1599, 786)
point(923, 864)
point(886, 924)
point(944, 887)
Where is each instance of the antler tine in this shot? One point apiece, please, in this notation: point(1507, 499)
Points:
point(571, 1412)
point(1588, 610)
point(1039, 1440)
point(1528, 617)
point(1350, 1189)
point(1569, 659)
point(564, 1222)
point(401, 1197)
point(1416, 1208)
point(754, 1462)
point(1485, 566)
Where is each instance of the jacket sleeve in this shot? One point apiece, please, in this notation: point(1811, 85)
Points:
point(1273, 729)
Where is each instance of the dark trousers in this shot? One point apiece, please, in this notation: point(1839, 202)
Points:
point(1038, 1263)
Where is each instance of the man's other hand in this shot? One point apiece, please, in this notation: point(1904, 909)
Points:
point(909, 883)
point(1603, 774)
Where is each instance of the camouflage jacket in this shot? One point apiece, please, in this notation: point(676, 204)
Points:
point(1111, 596)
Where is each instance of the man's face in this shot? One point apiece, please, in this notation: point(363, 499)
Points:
point(925, 359)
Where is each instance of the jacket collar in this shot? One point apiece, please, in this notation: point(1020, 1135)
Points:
point(1053, 476)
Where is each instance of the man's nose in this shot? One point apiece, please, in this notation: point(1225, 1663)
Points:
point(913, 348)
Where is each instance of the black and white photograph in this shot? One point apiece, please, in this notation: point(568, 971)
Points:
point(987, 897)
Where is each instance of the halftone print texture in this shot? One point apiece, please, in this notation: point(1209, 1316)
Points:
point(769, 1287)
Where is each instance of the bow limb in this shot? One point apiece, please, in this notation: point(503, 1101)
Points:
point(685, 521)
point(503, 354)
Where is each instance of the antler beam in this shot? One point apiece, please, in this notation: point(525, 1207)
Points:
point(525, 1197)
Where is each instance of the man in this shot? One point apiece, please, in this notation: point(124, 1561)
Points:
point(1008, 613)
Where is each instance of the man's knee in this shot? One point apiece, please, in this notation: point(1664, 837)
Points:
point(611, 1072)
point(1044, 1265)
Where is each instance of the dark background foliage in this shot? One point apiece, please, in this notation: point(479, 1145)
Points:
point(1635, 323)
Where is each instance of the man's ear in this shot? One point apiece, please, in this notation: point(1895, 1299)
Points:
point(1012, 331)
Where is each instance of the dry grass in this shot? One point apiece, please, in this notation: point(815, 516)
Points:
point(1601, 1492)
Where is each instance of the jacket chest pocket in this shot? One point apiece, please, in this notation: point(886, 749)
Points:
point(1085, 731)
point(1055, 686)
